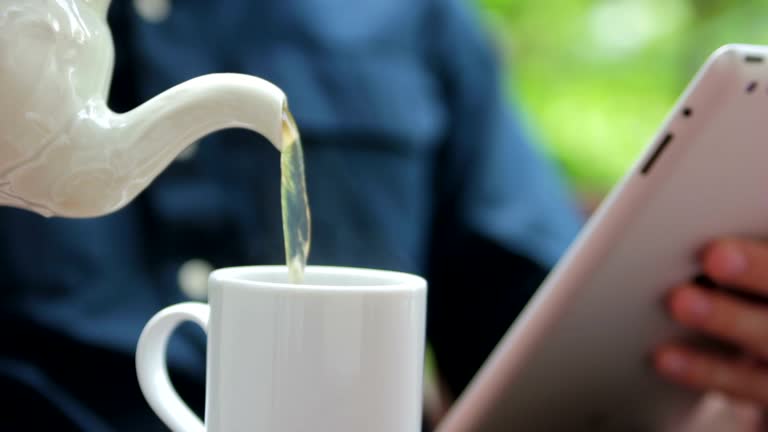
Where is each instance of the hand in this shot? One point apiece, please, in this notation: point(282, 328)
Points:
point(741, 265)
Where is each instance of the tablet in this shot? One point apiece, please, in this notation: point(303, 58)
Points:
point(578, 357)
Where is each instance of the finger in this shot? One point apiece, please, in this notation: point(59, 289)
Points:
point(709, 372)
point(738, 263)
point(722, 316)
point(717, 412)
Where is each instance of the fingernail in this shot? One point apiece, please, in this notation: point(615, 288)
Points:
point(732, 261)
point(673, 362)
point(695, 305)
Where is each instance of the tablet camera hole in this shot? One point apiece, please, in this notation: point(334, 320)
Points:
point(751, 87)
point(687, 112)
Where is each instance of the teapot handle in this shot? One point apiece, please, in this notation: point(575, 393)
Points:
point(152, 370)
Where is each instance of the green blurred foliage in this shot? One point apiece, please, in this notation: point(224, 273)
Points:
point(597, 77)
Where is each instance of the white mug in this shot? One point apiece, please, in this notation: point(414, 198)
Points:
point(342, 352)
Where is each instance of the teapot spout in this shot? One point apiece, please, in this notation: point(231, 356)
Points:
point(100, 6)
point(155, 133)
point(171, 121)
point(107, 159)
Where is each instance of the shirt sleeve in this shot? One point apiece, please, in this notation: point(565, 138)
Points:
point(504, 215)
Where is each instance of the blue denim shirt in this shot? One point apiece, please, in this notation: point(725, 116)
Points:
point(409, 143)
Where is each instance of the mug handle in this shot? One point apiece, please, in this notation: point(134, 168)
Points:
point(152, 370)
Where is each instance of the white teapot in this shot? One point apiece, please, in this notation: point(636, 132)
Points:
point(63, 152)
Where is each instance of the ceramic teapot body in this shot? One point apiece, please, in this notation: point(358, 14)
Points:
point(63, 152)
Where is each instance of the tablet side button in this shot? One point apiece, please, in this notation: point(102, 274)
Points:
point(659, 149)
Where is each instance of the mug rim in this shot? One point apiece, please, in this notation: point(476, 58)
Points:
point(394, 280)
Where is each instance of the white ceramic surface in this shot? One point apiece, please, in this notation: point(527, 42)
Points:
point(63, 152)
point(343, 353)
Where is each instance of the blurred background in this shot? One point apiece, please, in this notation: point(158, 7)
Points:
point(597, 77)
